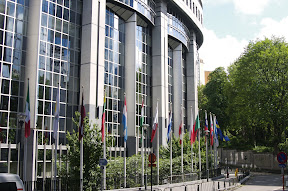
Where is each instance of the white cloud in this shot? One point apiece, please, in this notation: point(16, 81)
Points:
point(246, 7)
point(217, 52)
point(250, 7)
point(271, 27)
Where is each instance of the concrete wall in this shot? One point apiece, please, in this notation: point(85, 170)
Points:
point(266, 161)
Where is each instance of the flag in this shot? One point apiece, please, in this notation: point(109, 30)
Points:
point(191, 127)
point(27, 113)
point(124, 119)
point(206, 126)
point(215, 133)
point(56, 116)
point(142, 114)
point(169, 131)
point(103, 118)
point(180, 128)
point(196, 127)
point(211, 130)
point(142, 119)
point(219, 132)
point(155, 124)
point(81, 121)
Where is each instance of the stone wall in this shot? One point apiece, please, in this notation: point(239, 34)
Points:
point(248, 159)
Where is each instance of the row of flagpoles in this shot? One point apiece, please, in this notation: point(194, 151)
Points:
point(194, 132)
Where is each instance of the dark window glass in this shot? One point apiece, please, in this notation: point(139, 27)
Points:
point(15, 88)
point(4, 102)
point(2, 18)
point(59, 12)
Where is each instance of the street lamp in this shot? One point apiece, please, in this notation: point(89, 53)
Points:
point(207, 166)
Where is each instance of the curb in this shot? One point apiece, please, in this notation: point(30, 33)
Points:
point(244, 179)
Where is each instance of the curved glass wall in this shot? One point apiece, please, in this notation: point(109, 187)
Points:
point(143, 75)
point(177, 29)
point(114, 51)
point(146, 7)
point(58, 63)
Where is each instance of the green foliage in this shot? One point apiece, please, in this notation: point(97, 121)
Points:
point(263, 149)
point(92, 152)
point(251, 101)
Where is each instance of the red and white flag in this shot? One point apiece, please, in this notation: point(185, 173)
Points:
point(155, 124)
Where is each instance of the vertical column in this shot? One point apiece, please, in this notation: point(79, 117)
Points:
point(192, 93)
point(160, 71)
point(92, 56)
point(177, 88)
point(130, 79)
point(31, 72)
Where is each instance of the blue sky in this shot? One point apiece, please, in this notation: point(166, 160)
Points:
point(229, 25)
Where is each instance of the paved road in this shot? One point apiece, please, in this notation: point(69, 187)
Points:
point(263, 182)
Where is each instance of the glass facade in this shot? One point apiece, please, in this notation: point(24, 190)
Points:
point(170, 74)
point(114, 52)
point(143, 75)
point(58, 65)
point(13, 37)
point(184, 88)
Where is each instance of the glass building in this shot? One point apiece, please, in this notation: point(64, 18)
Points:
point(145, 49)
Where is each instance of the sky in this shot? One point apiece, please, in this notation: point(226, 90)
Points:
point(229, 25)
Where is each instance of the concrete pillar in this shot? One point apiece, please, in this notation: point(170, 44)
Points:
point(192, 93)
point(160, 72)
point(130, 82)
point(33, 35)
point(177, 87)
point(92, 57)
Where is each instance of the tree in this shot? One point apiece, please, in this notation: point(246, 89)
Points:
point(259, 82)
point(92, 152)
point(214, 98)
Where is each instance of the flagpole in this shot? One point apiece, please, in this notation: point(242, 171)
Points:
point(199, 151)
point(191, 129)
point(170, 135)
point(57, 113)
point(181, 137)
point(104, 156)
point(81, 147)
point(158, 130)
point(215, 160)
point(142, 142)
point(216, 145)
point(55, 165)
point(142, 155)
point(25, 161)
point(211, 151)
point(124, 163)
point(171, 155)
point(124, 137)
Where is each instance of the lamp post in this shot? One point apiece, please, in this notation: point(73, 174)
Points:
point(207, 166)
